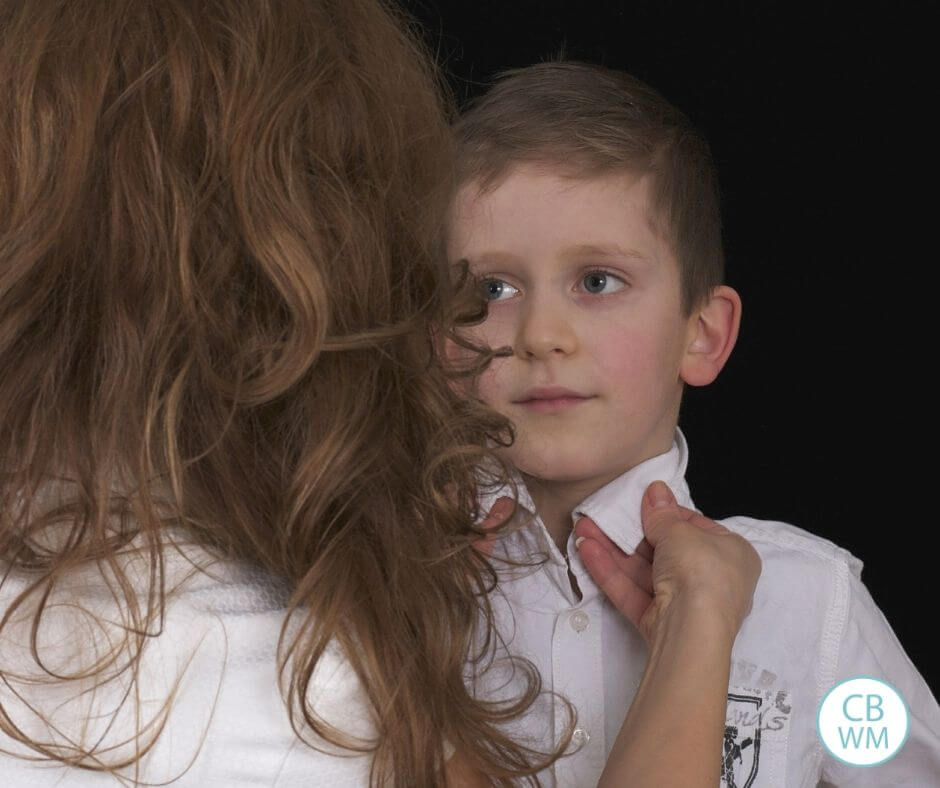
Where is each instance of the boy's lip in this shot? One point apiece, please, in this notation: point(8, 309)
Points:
point(548, 394)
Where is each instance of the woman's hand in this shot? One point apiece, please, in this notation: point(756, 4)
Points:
point(686, 560)
point(499, 513)
point(687, 589)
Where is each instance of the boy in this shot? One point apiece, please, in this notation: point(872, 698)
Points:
point(588, 207)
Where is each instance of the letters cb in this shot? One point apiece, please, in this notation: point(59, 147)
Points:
point(863, 721)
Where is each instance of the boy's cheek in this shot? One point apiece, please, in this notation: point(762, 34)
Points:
point(458, 359)
point(485, 385)
point(452, 353)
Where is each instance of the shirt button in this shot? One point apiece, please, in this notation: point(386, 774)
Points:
point(579, 737)
point(579, 620)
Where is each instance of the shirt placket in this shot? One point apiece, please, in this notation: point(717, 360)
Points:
point(577, 671)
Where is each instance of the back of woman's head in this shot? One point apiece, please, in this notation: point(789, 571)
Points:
point(220, 277)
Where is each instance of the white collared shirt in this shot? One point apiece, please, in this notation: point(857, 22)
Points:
point(812, 624)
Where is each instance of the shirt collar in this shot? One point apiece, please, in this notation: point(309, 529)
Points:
point(616, 506)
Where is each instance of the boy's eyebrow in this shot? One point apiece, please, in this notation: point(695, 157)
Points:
point(571, 253)
point(605, 250)
point(494, 258)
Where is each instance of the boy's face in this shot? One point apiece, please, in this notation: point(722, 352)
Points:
point(588, 297)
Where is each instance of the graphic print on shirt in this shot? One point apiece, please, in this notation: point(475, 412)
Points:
point(741, 749)
point(757, 728)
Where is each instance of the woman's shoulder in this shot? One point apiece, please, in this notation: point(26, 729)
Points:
point(199, 683)
point(250, 736)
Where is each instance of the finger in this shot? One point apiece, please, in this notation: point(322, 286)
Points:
point(657, 509)
point(499, 513)
point(707, 524)
point(697, 518)
point(634, 566)
point(587, 528)
point(625, 595)
point(645, 550)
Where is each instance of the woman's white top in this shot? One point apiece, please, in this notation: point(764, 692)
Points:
point(227, 724)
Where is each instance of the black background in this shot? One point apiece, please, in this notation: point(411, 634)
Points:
point(817, 115)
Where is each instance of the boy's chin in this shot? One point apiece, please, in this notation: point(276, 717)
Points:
point(563, 473)
point(581, 465)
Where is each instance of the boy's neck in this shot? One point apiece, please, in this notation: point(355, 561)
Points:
point(554, 501)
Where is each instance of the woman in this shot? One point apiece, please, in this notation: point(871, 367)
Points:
point(238, 497)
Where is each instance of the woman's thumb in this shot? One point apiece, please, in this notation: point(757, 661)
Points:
point(658, 508)
point(658, 494)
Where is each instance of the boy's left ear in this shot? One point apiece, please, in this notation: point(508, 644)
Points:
point(712, 332)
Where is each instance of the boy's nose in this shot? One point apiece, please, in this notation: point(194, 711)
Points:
point(544, 331)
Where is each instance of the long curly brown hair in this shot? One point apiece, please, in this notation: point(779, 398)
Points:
point(222, 290)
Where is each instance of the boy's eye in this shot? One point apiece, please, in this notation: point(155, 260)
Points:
point(602, 282)
point(497, 290)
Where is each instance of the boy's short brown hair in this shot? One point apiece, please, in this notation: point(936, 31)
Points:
point(587, 120)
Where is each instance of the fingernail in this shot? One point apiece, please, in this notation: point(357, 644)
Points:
point(660, 495)
point(501, 509)
point(577, 542)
